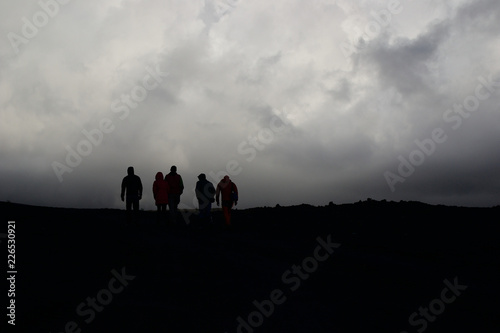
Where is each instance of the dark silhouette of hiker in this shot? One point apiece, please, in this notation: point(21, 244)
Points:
point(176, 187)
point(160, 194)
point(205, 192)
point(131, 191)
point(229, 192)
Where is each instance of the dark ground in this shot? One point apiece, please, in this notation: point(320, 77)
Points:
point(392, 261)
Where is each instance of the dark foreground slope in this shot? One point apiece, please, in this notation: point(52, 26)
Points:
point(365, 267)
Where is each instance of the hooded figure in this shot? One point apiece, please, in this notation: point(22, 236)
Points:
point(205, 193)
point(160, 194)
point(229, 193)
point(160, 190)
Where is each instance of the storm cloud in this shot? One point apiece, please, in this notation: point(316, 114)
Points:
point(297, 101)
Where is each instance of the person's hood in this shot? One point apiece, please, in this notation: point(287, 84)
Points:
point(159, 176)
point(224, 181)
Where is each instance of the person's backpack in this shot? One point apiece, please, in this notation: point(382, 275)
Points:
point(234, 195)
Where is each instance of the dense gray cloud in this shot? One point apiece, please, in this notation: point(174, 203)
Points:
point(298, 101)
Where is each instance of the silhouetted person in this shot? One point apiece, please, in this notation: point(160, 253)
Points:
point(160, 194)
point(176, 187)
point(131, 191)
point(229, 193)
point(205, 192)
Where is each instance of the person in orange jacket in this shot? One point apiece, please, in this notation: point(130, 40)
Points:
point(160, 194)
point(229, 193)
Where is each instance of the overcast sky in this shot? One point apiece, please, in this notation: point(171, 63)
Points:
point(297, 101)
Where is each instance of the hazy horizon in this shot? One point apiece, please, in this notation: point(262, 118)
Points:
point(297, 101)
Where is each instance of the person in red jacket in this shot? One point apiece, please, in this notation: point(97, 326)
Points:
point(229, 193)
point(160, 194)
point(176, 187)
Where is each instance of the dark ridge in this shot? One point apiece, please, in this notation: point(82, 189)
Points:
point(387, 261)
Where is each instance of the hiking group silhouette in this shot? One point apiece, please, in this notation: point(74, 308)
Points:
point(167, 191)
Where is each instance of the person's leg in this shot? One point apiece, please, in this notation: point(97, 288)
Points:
point(202, 209)
point(135, 205)
point(170, 202)
point(136, 210)
point(172, 207)
point(227, 215)
point(128, 210)
point(208, 213)
point(177, 199)
point(205, 213)
point(158, 213)
point(164, 212)
point(226, 209)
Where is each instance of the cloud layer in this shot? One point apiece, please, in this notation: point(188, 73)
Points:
point(298, 101)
